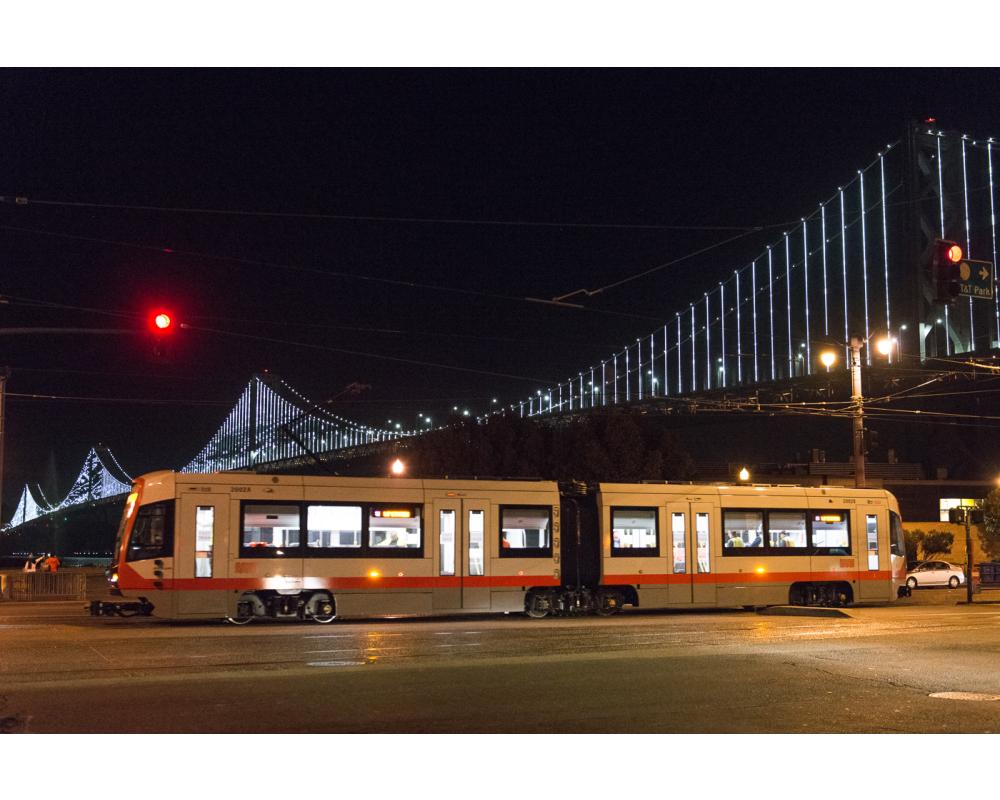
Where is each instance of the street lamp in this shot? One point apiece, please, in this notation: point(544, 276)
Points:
point(744, 474)
point(884, 345)
point(828, 358)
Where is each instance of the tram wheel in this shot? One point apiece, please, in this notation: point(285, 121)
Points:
point(326, 613)
point(538, 606)
point(244, 613)
point(608, 605)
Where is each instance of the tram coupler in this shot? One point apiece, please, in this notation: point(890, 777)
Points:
point(104, 608)
point(903, 591)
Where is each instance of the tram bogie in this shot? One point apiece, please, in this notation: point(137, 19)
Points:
point(242, 546)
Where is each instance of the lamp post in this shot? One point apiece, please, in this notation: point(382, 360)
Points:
point(884, 346)
point(858, 417)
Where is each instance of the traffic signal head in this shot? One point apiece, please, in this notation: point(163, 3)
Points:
point(945, 270)
point(161, 322)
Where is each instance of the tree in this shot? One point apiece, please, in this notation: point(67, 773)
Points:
point(989, 531)
point(612, 447)
point(912, 540)
point(936, 543)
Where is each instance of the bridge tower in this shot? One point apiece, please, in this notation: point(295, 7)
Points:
point(949, 195)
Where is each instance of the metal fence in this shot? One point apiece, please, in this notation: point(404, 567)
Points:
point(44, 586)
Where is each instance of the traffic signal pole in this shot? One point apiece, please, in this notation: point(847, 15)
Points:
point(968, 556)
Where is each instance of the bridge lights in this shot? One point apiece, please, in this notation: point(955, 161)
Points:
point(945, 261)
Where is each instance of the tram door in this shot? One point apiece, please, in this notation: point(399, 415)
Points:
point(201, 555)
point(691, 524)
point(461, 559)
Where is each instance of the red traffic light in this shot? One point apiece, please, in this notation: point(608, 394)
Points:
point(945, 272)
point(161, 322)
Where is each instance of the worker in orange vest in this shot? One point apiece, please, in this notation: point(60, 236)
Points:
point(52, 563)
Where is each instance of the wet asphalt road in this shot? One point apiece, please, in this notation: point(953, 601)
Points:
point(869, 670)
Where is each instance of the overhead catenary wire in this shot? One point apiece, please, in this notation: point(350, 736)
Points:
point(230, 212)
point(380, 356)
point(327, 273)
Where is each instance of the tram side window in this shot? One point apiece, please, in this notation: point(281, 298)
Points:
point(446, 542)
point(678, 529)
point(634, 532)
point(871, 528)
point(336, 527)
point(786, 529)
point(153, 532)
point(742, 529)
point(704, 544)
point(270, 530)
point(204, 540)
point(394, 527)
point(525, 531)
point(830, 532)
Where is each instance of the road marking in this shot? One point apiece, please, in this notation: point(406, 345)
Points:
point(329, 636)
point(344, 650)
point(464, 644)
point(335, 664)
point(965, 696)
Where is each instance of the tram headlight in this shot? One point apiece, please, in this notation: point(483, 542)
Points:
point(113, 578)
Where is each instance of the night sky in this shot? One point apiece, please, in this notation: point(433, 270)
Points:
point(616, 171)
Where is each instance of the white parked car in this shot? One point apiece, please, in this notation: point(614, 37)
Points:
point(935, 573)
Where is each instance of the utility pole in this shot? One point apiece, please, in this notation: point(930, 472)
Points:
point(857, 399)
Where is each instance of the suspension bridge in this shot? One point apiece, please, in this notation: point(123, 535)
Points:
point(856, 264)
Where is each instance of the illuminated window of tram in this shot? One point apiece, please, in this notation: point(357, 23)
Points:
point(446, 542)
point(333, 526)
point(704, 552)
point(477, 538)
point(678, 529)
point(634, 529)
point(871, 529)
point(786, 529)
point(829, 530)
point(204, 534)
point(270, 528)
point(525, 531)
point(394, 526)
point(742, 529)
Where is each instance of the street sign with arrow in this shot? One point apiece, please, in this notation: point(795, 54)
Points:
point(975, 279)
